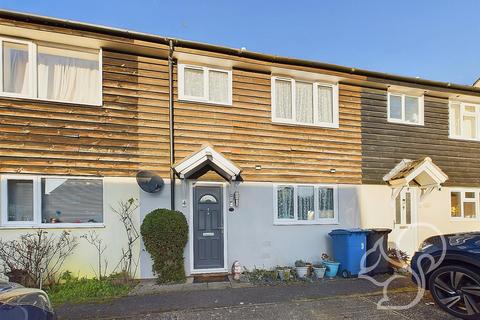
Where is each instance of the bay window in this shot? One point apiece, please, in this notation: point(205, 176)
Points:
point(49, 72)
point(464, 204)
point(304, 103)
point(204, 84)
point(464, 120)
point(42, 201)
point(407, 109)
point(305, 204)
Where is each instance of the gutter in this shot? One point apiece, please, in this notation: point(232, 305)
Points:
point(32, 18)
point(171, 123)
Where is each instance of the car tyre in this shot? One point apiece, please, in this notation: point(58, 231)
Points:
point(456, 289)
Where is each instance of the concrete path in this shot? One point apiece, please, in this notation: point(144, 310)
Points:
point(270, 302)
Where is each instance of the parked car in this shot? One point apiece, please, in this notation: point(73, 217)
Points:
point(455, 282)
point(20, 303)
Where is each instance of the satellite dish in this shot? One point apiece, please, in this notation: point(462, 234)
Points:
point(149, 181)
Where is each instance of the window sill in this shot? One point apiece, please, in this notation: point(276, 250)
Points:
point(189, 100)
point(464, 219)
point(12, 96)
point(55, 226)
point(420, 124)
point(300, 124)
point(464, 139)
point(304, 223)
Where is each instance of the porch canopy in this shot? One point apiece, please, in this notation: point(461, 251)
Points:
point(204, 160)
point(421, 173)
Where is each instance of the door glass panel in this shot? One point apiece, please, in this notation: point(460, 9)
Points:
point(408, 208)
point(398, 210)
point(208, 198)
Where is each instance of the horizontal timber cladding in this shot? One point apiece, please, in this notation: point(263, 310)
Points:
point(384, 144)
point(128, 133)
point(245, 134)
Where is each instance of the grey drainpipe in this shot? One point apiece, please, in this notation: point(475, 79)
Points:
point(171, 122)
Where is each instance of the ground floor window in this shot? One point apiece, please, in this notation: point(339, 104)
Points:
point(305, 204)
point(42, 200)
point(464, 204)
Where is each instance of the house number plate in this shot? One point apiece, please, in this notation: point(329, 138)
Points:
point(208, 234)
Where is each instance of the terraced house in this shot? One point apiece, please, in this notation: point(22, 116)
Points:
point(264, 155)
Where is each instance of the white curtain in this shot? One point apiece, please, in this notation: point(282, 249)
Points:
point(455, 119)
point(326, 203)
point(411, 109)
point(193, 82)
point(283, 99)
point(304, 102)
point(305, 203)
point(62, 76)
point(325, 104)
point(15, 68)
point(285, 202)
point(218, 86)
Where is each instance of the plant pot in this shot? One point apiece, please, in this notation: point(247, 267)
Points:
point(284, 274)
point(302, 272)
point(319, 272)
point(332, 268)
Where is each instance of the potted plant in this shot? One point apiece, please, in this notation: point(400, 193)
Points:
point(301, 269)
point(397, 258)
point(330, 265)
point(283, 273)
point(319, 270)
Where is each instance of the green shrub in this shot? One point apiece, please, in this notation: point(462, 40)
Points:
point(165, 234)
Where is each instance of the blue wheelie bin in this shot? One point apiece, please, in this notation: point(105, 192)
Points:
point(349, 246)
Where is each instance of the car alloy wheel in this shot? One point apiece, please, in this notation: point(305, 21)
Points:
point(457, 290)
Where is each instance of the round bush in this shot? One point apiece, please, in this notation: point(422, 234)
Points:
point(165, 234)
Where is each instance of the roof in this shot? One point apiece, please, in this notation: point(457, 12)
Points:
point(204, 160)
point(33, 18)
point(422, 172)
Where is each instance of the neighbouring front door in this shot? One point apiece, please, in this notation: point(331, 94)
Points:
point(404, 233)
point(208, 227)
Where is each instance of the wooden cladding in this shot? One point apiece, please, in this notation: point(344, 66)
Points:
point(384, 144)
point(245, 134)
point(128, 133)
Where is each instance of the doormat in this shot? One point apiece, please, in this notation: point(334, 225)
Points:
point(204, 279)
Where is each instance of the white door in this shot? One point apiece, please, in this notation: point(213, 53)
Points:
point(404, 233)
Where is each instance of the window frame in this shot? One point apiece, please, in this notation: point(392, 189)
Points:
point(315, 84)
point(37, 204)
point(463, 199)
point(421, 107)
point(33, 68)
point(317, 220)
point(206, 72)
point(476, 114)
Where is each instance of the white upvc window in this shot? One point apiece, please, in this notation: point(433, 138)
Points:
point(51, 201)
point(50, 72)
point(204, 84)
point(304, 102)
point(464, 120)
point(464, 204)
point(305, 204)
point(406, 109)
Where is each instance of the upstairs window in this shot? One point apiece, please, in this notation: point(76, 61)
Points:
point(464, 121)
point(405, 109)
point(49, 72)
point(305, 103)
point(203, 84)
point(305, 204)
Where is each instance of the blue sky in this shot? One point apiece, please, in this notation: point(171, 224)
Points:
point(431, 39)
